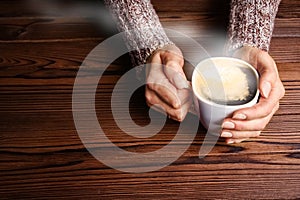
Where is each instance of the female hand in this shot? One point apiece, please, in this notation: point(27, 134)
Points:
point(249, 122)
point(167, 87)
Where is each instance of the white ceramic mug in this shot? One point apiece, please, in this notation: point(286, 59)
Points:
point(212, 114)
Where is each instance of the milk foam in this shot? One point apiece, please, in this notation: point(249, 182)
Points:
point(223, 81)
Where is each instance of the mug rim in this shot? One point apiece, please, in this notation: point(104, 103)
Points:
point(200, 98)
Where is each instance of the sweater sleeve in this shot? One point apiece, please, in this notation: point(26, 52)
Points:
point(141, 26)
point(251, 23)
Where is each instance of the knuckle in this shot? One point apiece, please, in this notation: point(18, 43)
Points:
point(150, 78)
point(173, 59)
point(172, 63)
point(241, 127)
point(282, 89)
point(149, 85)
point(152, 86)
point(246, 127)
point(149, 104)
point(267, 110)
point(255, 109)
point(178, 115)
point(262, 111)
point(261, 126)
point(257, 133)
point(277, 107)
point(149, 98)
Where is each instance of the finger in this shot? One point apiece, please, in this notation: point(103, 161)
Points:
point(235, 141)
point(239, 134)
point(264, 107)
point(185, 98)
point(165, 90)
point(183, 111)
point(177, 78)
point(184, 95)
point(268, 73)
point(249, 125)
point(176, 114)
point(174, 69)
point(158, 83)
point(264, 64)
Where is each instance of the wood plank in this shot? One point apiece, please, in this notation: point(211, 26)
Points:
point(197, 25)
point(191, 24)
point(287, 8)
point(34, 8)
point(48, 167)
point(286, 27)
point(51, 28)
point(193, 179)
point(285, 49)
point(62, 161)
point(45, 58)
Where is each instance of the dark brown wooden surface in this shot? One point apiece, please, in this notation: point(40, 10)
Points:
point(41, 155)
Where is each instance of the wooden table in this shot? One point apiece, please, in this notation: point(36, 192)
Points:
point(42, 157)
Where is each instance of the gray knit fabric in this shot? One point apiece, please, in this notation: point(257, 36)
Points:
point(140, 18)
point(251, 23)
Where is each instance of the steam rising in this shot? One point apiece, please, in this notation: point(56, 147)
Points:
point(95, 11)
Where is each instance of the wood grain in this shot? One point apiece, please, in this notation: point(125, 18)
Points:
point(42, 156)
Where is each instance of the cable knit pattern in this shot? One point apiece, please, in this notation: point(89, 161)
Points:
point(251, 23)
point(139, 21)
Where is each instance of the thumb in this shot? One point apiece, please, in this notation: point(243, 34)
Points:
point(174, 72)
point(268, 75)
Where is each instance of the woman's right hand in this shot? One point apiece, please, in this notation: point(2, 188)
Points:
point(250, 122)
point(167, 87)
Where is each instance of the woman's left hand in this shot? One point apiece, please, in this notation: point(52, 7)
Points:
point(249, 122)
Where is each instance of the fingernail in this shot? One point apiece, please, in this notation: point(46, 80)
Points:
point(226, 134)
point(228, 125)
point(239, 116)
point(230, 141)
point(180, 82)
point(266, 89)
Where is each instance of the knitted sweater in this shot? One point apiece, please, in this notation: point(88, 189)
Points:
point(251, 23)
